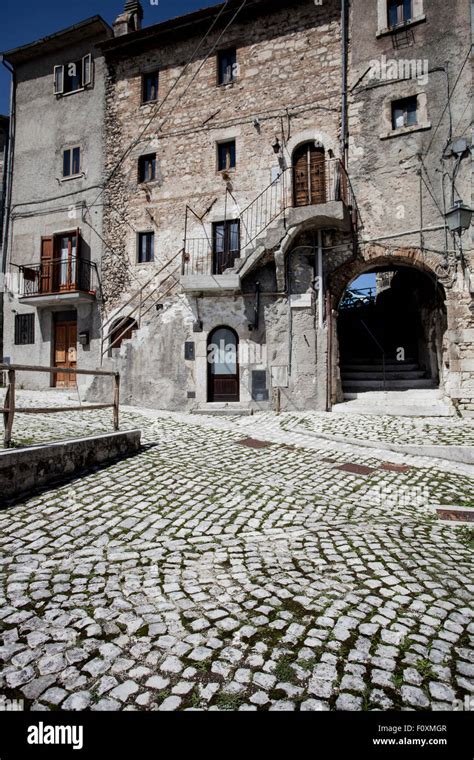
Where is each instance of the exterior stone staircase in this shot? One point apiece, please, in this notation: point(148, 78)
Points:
point(369, 375)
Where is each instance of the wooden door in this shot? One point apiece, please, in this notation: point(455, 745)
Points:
point(46, 276)
point(223, 366)
point(309, 176)
point(65, 353)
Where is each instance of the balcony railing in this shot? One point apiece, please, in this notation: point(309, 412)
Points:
point(266, 208)
point(58, 276)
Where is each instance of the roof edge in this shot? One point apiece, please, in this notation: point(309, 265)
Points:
point(28, 51)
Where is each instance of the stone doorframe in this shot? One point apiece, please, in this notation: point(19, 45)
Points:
point(426, 262)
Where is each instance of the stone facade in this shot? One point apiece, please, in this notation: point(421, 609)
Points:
point(366, 104)
point(47, 204)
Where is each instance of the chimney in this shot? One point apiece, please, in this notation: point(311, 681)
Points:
point(130, 20)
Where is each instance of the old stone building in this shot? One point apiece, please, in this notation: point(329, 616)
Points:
point(53, 240)
point(258, 158)
point(224, 194)
point(301, 147)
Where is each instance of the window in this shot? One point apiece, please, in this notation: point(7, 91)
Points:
point(226, 244)
point(147, 168)
point(24, 329)
point(405, 113)
point(399, 12)
point(73, 76)
point(227, 66)
point(71, 162)
point(146, 245)
point(226, 155)
point(150, 87)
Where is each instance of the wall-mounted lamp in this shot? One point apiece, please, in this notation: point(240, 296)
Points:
point(459, 218)
point(276, 146)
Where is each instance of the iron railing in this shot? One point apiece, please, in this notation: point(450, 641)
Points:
point(58, 276)
point(116, 326)
point(271, 204)
point(355, 298)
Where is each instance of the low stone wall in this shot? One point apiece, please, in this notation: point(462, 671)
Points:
point(25, 470)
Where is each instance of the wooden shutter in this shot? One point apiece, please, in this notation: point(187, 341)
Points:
point(58, 80)
point(317, 175)
point(46, 272)
point(87, 70)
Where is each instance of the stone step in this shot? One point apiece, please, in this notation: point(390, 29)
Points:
point(390, 385)
point(348, 377)
point(409, 396)
point(392, 367)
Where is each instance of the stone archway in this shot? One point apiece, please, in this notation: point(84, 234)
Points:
point(394, 339)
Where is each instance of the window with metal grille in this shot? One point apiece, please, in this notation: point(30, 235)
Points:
point(147, 168)
point(399, 12)
point(226, 155)
point(146, 246)
point(227, 66)
point(405, 113)
point(24, 329)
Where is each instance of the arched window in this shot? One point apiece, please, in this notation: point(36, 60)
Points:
point(122, 329)
point(309, 175)
point(223, 365)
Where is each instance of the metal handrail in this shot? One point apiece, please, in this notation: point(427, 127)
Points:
point(111, 326)
point(381, 348)
point(274, 201)
point(57, 275)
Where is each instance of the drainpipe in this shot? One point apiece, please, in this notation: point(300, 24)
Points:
point(344, 28)
point(7, 183)
point(321, 286)
point(9, 168)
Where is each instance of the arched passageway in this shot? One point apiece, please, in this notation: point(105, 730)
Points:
point(390, 336)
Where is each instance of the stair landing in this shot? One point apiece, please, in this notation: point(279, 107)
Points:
point(408, 403)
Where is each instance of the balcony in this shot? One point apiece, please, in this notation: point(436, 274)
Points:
point(57, 282)
point(322, 199)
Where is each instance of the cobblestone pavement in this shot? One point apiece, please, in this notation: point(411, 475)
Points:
point(203, 573)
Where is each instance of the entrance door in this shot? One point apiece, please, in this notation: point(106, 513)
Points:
point(309, 176)
point(65, 353)
point(223, 365)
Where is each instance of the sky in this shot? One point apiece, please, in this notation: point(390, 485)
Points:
point(24, 21)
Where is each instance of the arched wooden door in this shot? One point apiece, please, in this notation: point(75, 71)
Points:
point(223, 365)
point(309, 176)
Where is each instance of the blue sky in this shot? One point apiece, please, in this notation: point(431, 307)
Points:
point(24, 21)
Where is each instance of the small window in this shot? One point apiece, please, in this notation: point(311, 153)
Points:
point(226, 244)
point(227, 66)
point(226, 155)
point(399, 12)
point(405, 113)
point(71, 162)
point(24, 329)
point(73, 76)
point(146, 246)
point(150, 87)
point(147, 168)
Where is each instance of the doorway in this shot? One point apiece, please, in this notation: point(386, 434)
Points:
point(309, 175)
point(390, 331)
point(223, 365)
point(65, 349)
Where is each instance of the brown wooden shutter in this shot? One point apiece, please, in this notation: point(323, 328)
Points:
point(46, 271)
point(318, 176)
